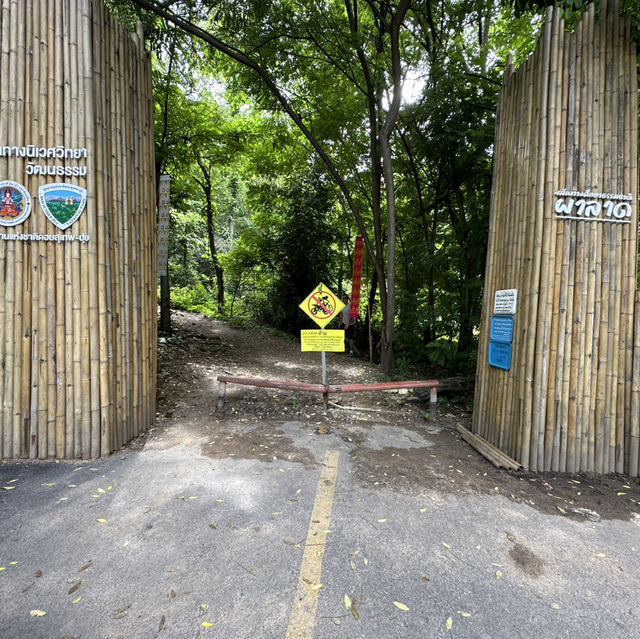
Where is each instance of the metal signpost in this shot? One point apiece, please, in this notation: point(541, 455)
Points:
point(322, 305)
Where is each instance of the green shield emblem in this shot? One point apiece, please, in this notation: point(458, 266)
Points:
point(63, 204)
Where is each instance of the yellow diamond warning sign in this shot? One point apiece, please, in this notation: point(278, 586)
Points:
point(322, 305)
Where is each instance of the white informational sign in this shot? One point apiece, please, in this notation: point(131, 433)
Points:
point(505, 302)
point(163, 225)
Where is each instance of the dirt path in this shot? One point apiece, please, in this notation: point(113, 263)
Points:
point(201, 349)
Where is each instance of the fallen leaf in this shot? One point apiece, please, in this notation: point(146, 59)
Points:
point(400, 605)
point(8, 487)
point(126, 543)
point(102, 491)
point(316, 587)
point(600, 554)
point(446, 545)
point(347, 602)
point(204, 606)
point(381, 521)
point(162, 622)
point(464, 614)
point(53, 483)
point(121, 613)
point(38, 573)
point(86, 566)
point(207, 624)
point(619, 494)
point(555, 606)
point(101, 521)
point(37, 613)
point(74, 588)
point(449, 623)
point(498, 574)
point(2, 568)
point(75, 601)
point(423, 510)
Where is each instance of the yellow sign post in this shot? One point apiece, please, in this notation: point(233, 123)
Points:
point(322, 305)
point(331, 341)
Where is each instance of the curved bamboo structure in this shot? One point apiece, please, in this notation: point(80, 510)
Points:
point(78, 302)
point(564, 235)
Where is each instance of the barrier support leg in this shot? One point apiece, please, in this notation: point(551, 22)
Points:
point(222, 389)
point(433, 401)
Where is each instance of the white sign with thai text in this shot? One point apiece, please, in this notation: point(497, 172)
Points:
point(505, 302)
point(593, 207)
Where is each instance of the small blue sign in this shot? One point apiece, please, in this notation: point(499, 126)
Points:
point(500, 355)
point(502, 328)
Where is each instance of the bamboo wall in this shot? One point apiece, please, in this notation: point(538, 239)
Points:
point(77, 318)
point(567, 120)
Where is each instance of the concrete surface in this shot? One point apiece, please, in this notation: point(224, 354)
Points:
point(158, 542)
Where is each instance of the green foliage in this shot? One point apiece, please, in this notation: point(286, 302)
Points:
point(195, 299)
point(286, 251)
point(252, 209)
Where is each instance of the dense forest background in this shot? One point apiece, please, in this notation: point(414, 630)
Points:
point(289, 127)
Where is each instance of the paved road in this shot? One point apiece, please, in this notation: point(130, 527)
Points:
point(170, 542)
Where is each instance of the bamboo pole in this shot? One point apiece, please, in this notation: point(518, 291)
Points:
point(634, 435)
point(6, 433)
point(72, 441)
point(100, 51)
point(51, 307)
point(544, 351)
point(24, 254)
point(10, 437)
point(632, 158)
point(60, 357)
point(591, 238)
point(551, 441)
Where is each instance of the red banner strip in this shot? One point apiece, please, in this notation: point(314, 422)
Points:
point(356, 280)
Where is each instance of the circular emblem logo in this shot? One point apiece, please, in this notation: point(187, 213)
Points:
point(15, 203)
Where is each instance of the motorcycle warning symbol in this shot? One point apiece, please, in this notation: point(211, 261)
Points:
point(322, 305)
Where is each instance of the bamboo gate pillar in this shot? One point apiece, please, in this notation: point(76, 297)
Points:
point(558, 377)
point(77, 231)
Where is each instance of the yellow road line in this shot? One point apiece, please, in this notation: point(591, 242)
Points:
point(303, 614)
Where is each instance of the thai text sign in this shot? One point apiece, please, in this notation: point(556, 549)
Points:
point(331, 341)
point(356, 280)
point(502, 328)
point(500, 355)
point(163, 224)
point(505, 302)
point(593, 207)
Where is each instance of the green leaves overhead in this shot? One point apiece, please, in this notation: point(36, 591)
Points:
point(245, 109)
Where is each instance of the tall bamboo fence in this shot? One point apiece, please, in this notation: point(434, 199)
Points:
point(563, 233)
point(77, 305)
